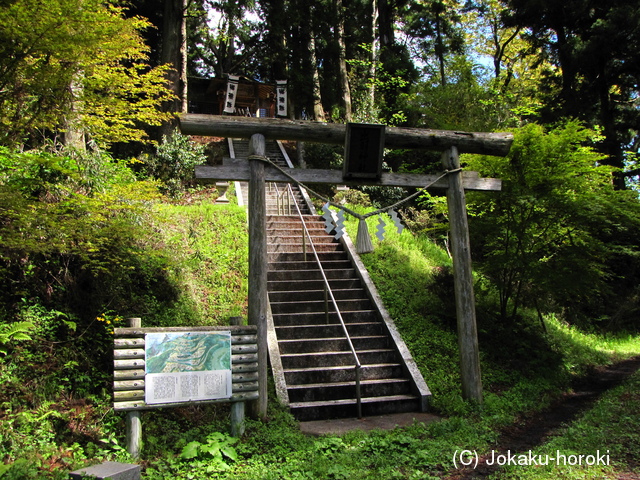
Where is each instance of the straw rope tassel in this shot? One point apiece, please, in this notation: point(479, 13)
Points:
point(363, 239)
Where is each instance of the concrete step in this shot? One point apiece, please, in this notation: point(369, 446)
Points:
point(361, 329)
point(346, 390)
point(274, 211)
point(319, 318)
point(346, 408)
point(315, 231)
point(296, 238)
point(293, 221)
point(275, 198)
point(316, 295)
point(307, 345)
point(319, 306)
point(298, 376)
point(335, 358)
point(291, 275)
point(299, 257)
point(297, 247)
point(314, 284)
point(310, 264)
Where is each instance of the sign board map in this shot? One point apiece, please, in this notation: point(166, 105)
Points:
point(187, 366)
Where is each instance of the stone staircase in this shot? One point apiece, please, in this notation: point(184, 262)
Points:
point(311, 357)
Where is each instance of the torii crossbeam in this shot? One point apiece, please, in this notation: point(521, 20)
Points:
point(451, 143)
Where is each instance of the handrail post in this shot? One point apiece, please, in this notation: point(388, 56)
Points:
point(304, 244)
point(326, 304)
point(278, 202)
point(358, 392)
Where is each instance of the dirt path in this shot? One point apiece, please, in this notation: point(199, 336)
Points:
point(534, 430)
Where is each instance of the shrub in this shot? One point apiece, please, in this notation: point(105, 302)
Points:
point(353, 197)
point(558, 233)
point(174, 163)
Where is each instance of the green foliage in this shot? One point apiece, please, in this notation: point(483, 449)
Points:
point(208, 245)
point(389, 84)
point(76, 64)
point(218, 448)
point(552, 237)
point(68, 224)
point(353, 197)
point(429, 217)
point(174, 163)
point(463, 103)
point(321, 155)
point(14, 332)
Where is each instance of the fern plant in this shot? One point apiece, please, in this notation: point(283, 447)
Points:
point(14, 331)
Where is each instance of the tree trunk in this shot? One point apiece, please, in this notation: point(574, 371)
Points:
point(611, 146)
point(74, 137)
point(440, 49)
point(386, 23)
point(174, 53)
point(318, 110)
point(184, 82)
point(276, 38)
point(342, 61)
point(375, 45)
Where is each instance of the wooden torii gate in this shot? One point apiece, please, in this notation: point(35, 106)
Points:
point(257, 173)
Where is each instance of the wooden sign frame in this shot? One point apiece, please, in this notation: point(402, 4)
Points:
point(129, 369)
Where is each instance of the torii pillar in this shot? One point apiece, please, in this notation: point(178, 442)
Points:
point(463, 281)
point(258, 267)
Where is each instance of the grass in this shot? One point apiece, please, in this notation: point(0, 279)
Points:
point(209, 246)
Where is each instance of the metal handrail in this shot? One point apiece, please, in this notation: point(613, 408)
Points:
point(329, 293)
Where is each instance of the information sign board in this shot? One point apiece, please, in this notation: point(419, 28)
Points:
point(187, 366)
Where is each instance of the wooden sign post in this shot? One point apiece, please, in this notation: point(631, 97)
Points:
point(255, 171)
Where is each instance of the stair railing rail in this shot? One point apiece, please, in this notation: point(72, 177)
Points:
point(329, 295)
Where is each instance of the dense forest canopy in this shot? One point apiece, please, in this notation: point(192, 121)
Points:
point(470, 65)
